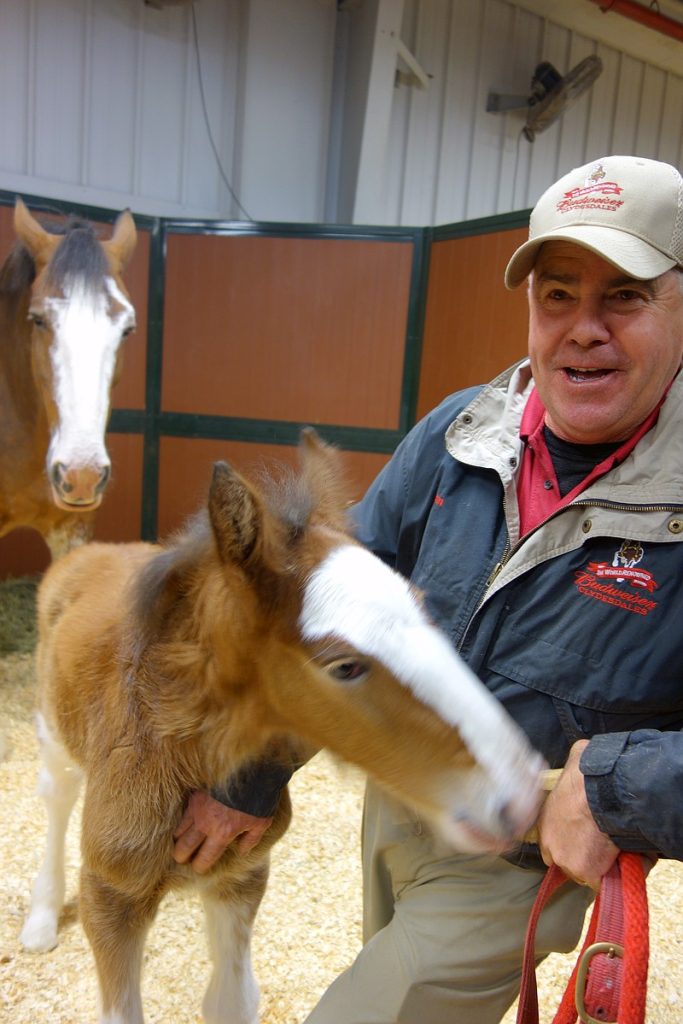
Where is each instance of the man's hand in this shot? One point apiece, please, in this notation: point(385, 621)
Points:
point(208, 827)
point(567, 833)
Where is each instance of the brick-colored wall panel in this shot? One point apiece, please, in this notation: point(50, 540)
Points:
point(296, 329)
point(186, 465)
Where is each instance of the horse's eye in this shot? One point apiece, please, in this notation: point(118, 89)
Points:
point(127, 330)
point(348, 670)
point(38, 320)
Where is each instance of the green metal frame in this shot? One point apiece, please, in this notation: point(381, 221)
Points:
point(153, 423)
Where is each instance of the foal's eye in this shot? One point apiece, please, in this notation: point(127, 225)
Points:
point(38, 320)
point(127, 331)
point(348, 670)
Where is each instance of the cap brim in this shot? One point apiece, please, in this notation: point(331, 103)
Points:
point(630, 254)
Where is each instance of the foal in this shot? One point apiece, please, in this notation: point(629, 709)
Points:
point(264, 626)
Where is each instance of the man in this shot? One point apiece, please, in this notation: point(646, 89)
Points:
point(542, 516)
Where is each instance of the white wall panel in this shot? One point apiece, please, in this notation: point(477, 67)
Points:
point(461, 162)
point(290, 48)
point(16, 84)
point(100, 103)
point(60, 89)
point(110, 128)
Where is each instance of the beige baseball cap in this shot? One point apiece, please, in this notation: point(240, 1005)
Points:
point(627, 209)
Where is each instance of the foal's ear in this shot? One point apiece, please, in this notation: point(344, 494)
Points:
point(35, 238)
point(324, 476)
point(234, 513)
point(121, 245)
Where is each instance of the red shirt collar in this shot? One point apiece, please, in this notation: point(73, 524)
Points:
point(538, 493)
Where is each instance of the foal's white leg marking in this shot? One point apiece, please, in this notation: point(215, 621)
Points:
point(116, 1017)
point(232, 996)
point(130, 1013)
point(58, 784)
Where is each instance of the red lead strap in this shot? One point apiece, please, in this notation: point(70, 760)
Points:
point(609, 980)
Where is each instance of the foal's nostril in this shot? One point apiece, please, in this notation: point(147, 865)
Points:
point(59, 480)
point(509, 821)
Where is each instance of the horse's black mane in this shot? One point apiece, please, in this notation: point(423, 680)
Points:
point(79, 256)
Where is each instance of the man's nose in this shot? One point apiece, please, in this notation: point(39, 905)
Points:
point(590, 326)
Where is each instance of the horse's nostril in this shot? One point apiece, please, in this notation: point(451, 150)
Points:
point(59, 480)
point(103, 480)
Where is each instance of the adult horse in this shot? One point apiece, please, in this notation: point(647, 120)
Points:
point(264, 626)
point(63, 313)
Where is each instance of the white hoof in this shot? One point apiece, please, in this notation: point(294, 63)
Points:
point(39, 934)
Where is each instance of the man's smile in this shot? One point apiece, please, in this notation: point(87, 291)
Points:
point(580, 374)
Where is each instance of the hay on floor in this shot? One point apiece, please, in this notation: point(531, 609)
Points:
point(17, 615)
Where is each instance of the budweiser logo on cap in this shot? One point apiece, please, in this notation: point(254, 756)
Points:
point(594, 186)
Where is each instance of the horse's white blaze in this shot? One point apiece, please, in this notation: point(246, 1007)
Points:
point(86, 339)
point(354, 596)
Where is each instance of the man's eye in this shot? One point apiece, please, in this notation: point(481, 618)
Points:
point(625, 298)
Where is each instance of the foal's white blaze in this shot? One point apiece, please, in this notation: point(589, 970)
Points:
point(88, 326)
point(354, 596)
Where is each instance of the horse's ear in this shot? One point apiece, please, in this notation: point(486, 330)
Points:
point(322, 470)
point(235, 514)
point(33, 235)
point(121, 245)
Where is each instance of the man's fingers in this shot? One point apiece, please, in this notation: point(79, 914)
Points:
point(210, 851)
point(186, 844)
point(248, 840)
point(184, 823)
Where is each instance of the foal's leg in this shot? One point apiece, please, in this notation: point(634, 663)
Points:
point(58, 784)
point(233, 995)
point(116, 926)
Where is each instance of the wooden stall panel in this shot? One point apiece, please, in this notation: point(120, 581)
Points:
point(474, 326)
point(186, 463)
point(294, 329)
point(7, 236)
point(23, 552)
point(119, 515)
point(129, 392)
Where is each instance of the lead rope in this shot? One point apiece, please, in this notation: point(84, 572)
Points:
point(609, 980)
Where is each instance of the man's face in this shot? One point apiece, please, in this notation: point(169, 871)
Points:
point(603, 346)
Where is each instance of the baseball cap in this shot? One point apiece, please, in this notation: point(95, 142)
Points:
point(627, 209)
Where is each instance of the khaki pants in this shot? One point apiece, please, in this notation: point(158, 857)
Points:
point(444, 933)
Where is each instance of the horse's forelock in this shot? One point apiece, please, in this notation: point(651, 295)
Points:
point(79, 256)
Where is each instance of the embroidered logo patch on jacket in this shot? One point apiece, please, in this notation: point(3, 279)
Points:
point(622, 583)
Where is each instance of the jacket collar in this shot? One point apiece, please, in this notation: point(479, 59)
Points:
point(486, 434)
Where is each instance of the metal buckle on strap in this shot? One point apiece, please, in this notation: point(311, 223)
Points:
point(612, 949)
